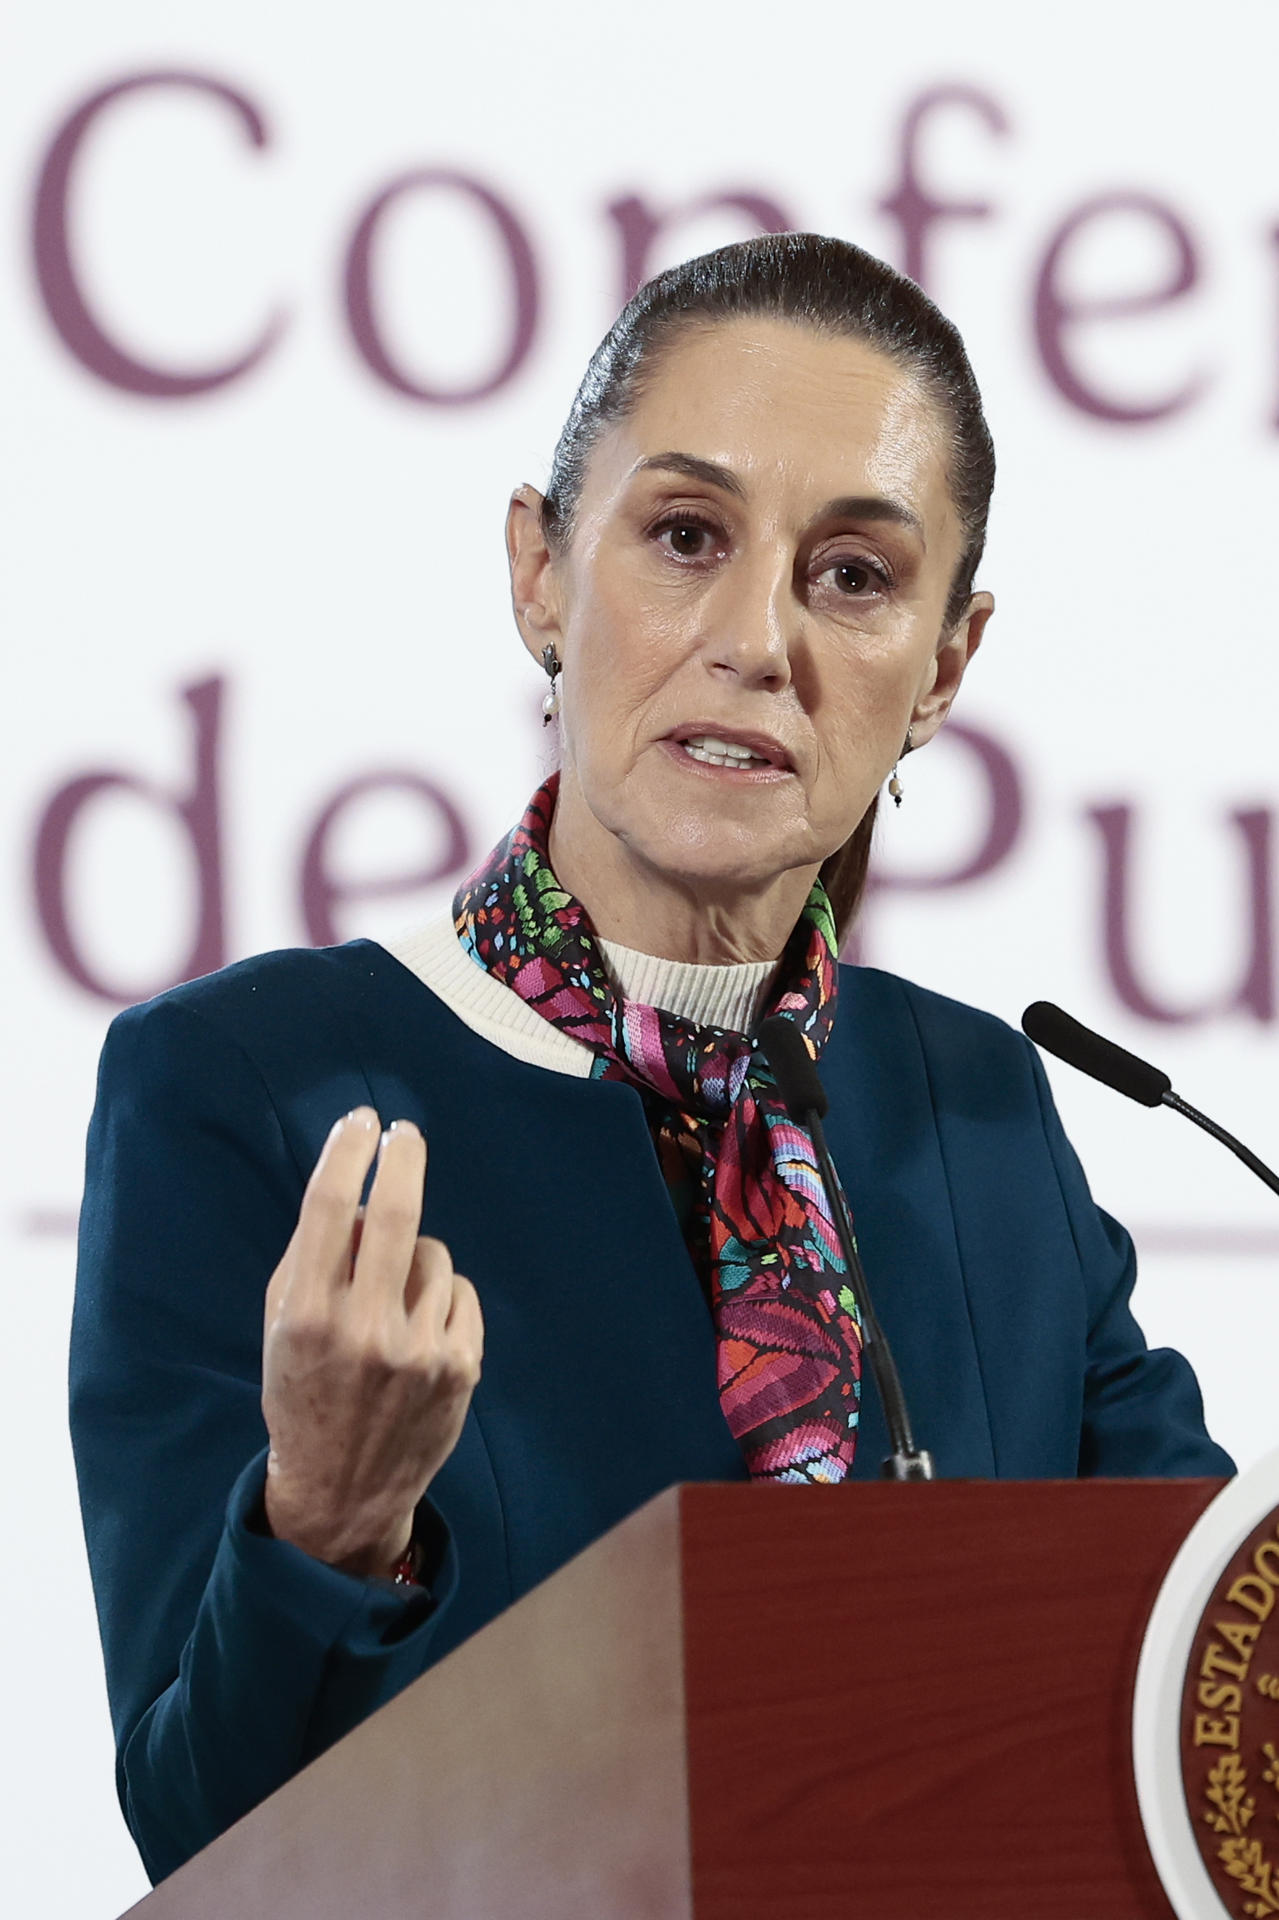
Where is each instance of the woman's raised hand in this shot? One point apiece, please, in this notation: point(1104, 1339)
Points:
point(371, 1352)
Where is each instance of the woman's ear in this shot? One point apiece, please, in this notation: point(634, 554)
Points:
point(948, 667)
point(535, 595)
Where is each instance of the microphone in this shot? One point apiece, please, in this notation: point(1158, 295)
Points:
point(804, 1098)
point(1080, 1047)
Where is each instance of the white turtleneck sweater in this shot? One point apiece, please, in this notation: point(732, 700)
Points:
point(727, 996)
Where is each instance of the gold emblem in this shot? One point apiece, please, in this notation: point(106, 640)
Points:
point(1230, 1729)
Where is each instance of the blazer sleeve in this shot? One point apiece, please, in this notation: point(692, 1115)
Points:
point(1143, 1411)
point(232, 1658)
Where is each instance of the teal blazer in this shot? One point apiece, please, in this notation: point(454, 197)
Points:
point(233, 1658)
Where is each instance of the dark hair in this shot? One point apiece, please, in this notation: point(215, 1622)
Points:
point(838, 289)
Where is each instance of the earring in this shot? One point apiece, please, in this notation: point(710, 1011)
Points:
point(551, 702)
point(894, 784)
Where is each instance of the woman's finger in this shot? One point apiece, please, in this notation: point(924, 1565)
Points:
point(393, 1216)
point(320, 1250)
point(465, 1325)
point(429, 1293)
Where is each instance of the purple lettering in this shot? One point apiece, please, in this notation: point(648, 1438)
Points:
point(55, 266)
point(361, 306)
point(198, 811)
point(323, 892)
point(996, 836)
point(1056, 313)
point(1255, 991)
point(915, 210)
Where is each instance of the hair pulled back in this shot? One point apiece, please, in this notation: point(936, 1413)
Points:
point(840, 290)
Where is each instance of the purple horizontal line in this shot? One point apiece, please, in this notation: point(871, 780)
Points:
point(1259, 1243)
point(1242, 1243)
point(46, 1223)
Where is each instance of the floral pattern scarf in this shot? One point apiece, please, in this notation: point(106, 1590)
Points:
point(742, 1176)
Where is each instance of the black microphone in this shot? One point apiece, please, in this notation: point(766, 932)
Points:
point(1080, 1047)
point(804, 1098)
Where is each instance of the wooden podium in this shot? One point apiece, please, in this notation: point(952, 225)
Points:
point(757, 1703)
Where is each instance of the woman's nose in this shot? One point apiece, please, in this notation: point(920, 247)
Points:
point(754, 628)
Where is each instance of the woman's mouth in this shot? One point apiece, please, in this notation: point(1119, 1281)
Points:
point(721, 753)
point(760, 757)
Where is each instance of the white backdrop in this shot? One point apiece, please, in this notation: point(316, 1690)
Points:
point(274, 601)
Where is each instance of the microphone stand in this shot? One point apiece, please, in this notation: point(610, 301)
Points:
point(907, 1461)
point(804, 1098)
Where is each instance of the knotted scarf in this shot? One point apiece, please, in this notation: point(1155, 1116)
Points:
point(742, 1175)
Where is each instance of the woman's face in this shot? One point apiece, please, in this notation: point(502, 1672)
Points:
point(751, 610)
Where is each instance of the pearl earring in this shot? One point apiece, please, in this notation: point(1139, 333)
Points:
point(551, 701)
point(894, 784)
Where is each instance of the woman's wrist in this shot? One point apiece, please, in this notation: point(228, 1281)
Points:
point(369, 1549)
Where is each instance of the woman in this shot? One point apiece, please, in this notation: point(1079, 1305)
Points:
point(751, 583)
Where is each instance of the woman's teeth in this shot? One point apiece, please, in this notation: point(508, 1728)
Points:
point(722, 753)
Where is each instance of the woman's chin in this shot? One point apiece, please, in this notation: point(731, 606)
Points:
point(716, 843)
point(719, 872)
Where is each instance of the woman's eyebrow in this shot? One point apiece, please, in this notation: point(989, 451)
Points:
point(873, 506)
point(709, 472)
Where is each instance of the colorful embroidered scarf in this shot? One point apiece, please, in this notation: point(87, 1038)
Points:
point(742, 1175)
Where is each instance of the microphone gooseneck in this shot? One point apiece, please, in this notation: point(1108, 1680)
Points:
point(804, 1098)
point(1102, 1060)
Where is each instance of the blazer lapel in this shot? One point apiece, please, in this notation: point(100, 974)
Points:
point(883, 1134)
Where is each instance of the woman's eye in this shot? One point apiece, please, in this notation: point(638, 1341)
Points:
point(686, 539)
point(855, 577)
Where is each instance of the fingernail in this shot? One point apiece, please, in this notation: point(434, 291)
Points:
point(402, 1126)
